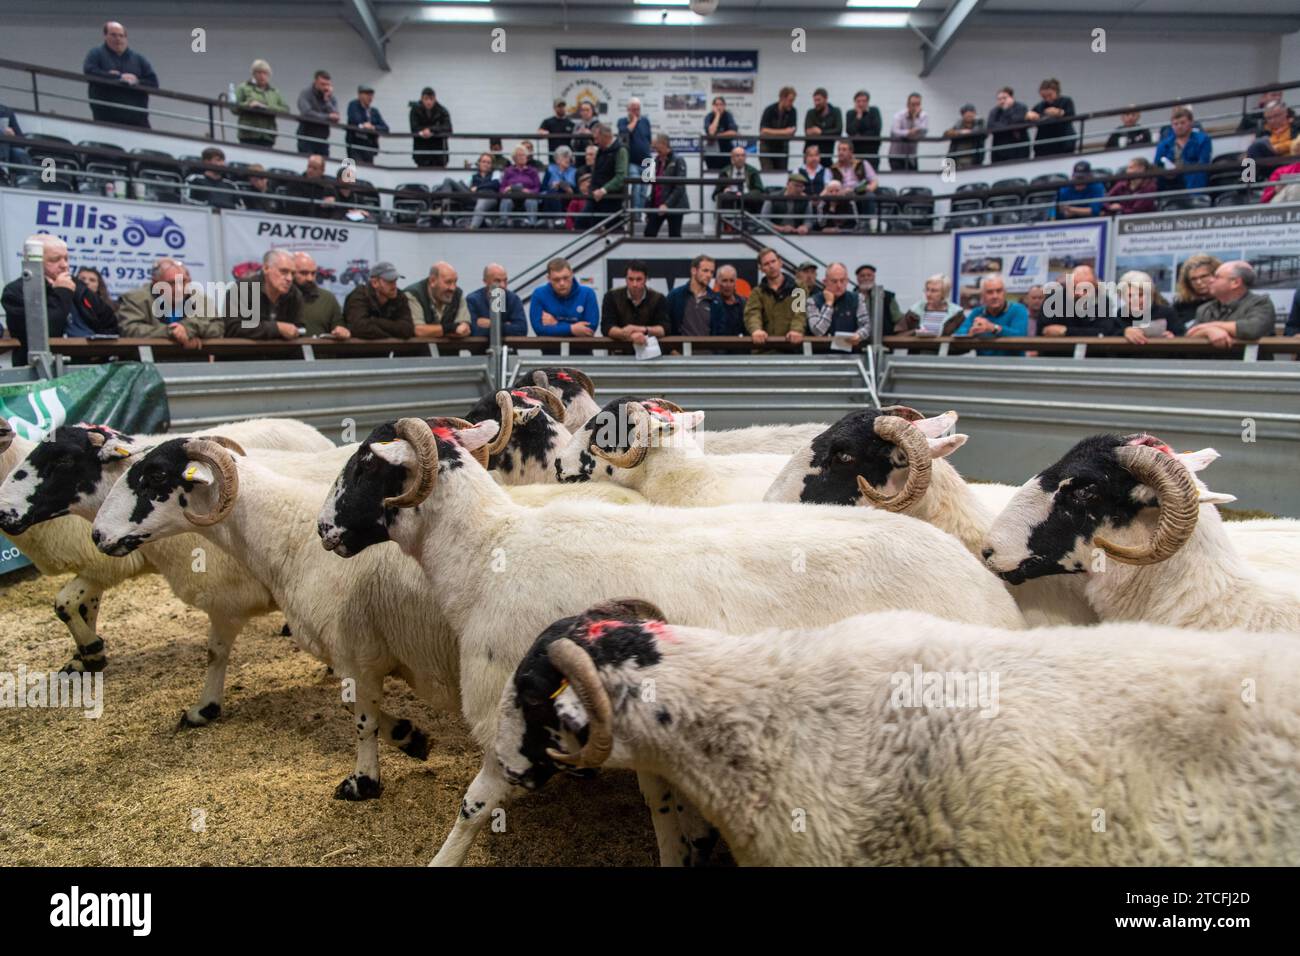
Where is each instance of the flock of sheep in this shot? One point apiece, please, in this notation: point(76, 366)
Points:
point(815, 641)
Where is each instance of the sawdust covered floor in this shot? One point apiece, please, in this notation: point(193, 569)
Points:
point(127, 789)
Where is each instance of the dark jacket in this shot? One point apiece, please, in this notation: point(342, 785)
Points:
point(617, 310)
point(70, 312)
point(752, 186)
point(101, 62)
point(969, 143)
point(367, 319)
point(1008, 144)
point(240, 326)
point(864, 130)
point(433, 151)
point(610, 170)
point(480, 307)
point(321, 312)
point(219, 193)
point(1293, 320)
point(1125, 136)
point(831, 126)
point(356, 116)
point(314, 190)
point(672, 195)
point(1056, 127)
point(1106, 322)
point(316, 109)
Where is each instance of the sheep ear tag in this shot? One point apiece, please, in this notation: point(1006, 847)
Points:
point(394, 452)
point(573, 716)
point(198, 473)
point(114, 450)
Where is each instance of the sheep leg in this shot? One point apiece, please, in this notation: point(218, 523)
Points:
point(486, 792)
point(699, 836)
point(659, 797)
point(221, 638)
point(404, 735)
point(77, 606)
point(364, 783)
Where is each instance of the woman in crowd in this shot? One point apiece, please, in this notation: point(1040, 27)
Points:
point(1285, 192)
point(256, 103)
point(1137, 194)
point(666, 196)
point(95, 282)
point(1193, 289)
point(582, 124)
point(1146, 306)
point(561, 180)
point(1053, 114)
point(520, 182)
point(936, 299)
point(578, 219)
point(486, 188)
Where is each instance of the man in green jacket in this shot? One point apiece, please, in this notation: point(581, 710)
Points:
point(321, 312)
point(169, 307)
point(777, 308)
point(256, 103)
point(747, 192)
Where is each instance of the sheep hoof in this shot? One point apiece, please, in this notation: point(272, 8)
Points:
point(199, 718)
point(80, 665)
point(417, 746)
point(358, 787)
point(285, 632)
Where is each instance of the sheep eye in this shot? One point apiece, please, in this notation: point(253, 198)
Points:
point(845, 458)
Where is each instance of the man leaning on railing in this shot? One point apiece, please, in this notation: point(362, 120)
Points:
point(1234, 312)
point(130, 75)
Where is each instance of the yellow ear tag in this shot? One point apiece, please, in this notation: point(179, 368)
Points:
point(190, 472)
point(122, 452)
point(564, 685)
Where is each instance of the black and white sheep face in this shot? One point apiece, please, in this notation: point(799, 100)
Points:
point(150, 500)
point(612, 429)
point(71, 470)
point(1049, 526)
point(827, 471)
point(539, 710)
point(579, 405)
point(536, 439)
point(354, 515)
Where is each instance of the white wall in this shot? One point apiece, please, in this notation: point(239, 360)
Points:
point(486, 91)
point(1289, 60)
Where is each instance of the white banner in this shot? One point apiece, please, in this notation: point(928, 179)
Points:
point(120, 238)
point(344, 251)
point(1268, 237)
point(676, 87)
point(1025, 255)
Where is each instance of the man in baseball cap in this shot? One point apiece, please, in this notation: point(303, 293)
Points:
point(377, 310)
point(1079, 199)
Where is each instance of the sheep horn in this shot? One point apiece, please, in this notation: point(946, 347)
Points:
point(479, 454)
point(587, 385)
point(579, 670)
point(625, 609)
point(215, 456)
point(671, 406)
point(6, 435)
point(640, 443)
point(225, 442)
point(540, 379)
point(551, 401)
point(906, 412)
point(898, 431)
point(1176, 497)
point(507, 408)
point(415, 432)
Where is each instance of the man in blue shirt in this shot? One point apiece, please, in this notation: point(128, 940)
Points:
point(634, 130)
point(363, 146)
point(563, 307)
point(995, 317)
point(1182, 145)
point(1079, 199)
point(128, 75)
point(479, 303)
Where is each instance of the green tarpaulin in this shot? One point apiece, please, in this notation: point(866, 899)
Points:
point(126, 395)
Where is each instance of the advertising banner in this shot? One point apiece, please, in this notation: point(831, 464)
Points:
point(676, 87)
point(120, 238)
point(1026, 255)
point(1268, 237)
point(126, 395)
point(344, 251)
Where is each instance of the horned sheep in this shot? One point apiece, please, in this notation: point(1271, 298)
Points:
point(1129, 516)
point(735, 566)
point(899, 739)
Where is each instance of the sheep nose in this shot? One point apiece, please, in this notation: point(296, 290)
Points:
point(986, 553)
point(96, 536)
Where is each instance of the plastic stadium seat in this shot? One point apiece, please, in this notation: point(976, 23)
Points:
point(1005, 201)
point(918, 206)
point(409, 208)
point(888, 209)
point(1045, 200)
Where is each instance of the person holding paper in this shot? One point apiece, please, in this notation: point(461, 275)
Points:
point(838, 310)
point(635, 311)
point(935, 313)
